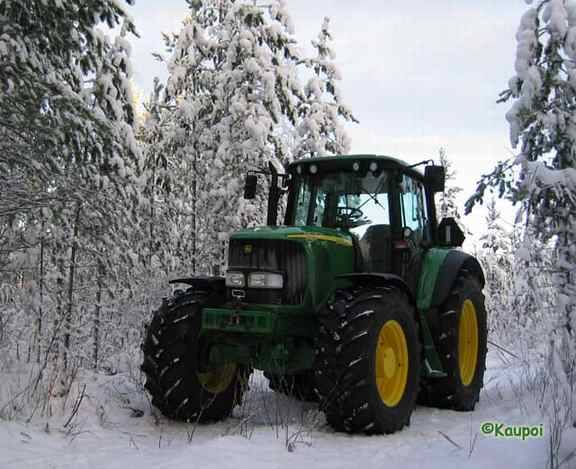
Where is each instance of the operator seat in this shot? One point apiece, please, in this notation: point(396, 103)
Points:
point(376, 247)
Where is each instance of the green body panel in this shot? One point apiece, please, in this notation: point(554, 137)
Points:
point(282, 357)
point(433, 260)
point(270, 320)
point(230, 320)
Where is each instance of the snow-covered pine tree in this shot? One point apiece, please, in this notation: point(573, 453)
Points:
point(543, 127)
point(496, 255)
point(323, 113)
point(446, 201)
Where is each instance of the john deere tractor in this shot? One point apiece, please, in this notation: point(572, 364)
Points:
point(360, 300)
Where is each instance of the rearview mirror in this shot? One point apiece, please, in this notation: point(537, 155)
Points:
point(434, 178)
point(250, 186)
point(450, 234)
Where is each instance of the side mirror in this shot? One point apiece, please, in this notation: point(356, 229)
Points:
point(449, 233)
point(434, 178)
point(250, 186)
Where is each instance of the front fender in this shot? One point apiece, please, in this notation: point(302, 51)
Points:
point(370, 278)
point(204, 284)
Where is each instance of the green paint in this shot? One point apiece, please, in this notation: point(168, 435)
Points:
point(328, 254)
point(433, 260)
point(229, 320)
point(282, 357)
point(291, 321)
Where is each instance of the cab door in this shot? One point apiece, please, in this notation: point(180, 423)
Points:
point(415, 232)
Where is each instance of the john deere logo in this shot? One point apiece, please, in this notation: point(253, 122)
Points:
point(247, 249)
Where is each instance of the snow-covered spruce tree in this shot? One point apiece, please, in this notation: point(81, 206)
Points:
point(542, 122)
point(534, 292)
point(258, 93)
point(496, 255)
point(446, 201)
point(48, 49)
point(180, 167)
point(232, 91)
point(68, 156)
point(322, 115)
point(159, 180)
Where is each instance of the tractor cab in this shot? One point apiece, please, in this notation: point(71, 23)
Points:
point(382, 206)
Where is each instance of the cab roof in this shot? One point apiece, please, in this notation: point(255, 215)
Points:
point(344, 162)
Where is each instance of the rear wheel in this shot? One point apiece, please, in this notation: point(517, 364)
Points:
point(182, 387)
point(368, 361)
point(461, 339)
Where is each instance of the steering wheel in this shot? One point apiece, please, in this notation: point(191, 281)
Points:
point(349, 216)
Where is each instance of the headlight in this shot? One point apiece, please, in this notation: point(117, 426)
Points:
point(235, 279)
point(265, 280)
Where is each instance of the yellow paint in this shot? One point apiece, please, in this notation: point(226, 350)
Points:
point(468, 343)
point(391, 363)
point(218, 380)
point(321, 237)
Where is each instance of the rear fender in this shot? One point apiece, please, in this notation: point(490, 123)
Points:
point(453, 265)
point(440, 269)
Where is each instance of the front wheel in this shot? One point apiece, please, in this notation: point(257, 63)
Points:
point(368, 364)
point(182, 387)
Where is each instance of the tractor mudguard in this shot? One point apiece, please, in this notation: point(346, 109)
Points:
point(453, 263)
point(204, 283)
point(380, 280)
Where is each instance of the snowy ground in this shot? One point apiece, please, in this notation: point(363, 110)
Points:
point(271, 431)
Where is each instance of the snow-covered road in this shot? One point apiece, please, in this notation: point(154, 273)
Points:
point(273, 431)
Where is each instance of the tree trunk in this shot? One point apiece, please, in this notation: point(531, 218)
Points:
point(71, 275)
point(96, 325)
point(40, 307)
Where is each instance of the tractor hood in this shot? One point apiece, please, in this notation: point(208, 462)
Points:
point(296, 233)
point(326, 253)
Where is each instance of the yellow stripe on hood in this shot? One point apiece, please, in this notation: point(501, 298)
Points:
point(321, 237)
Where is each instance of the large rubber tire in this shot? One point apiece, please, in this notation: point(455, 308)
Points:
point(454, 338)
point(178, 385)
point(349, 375)
point(301, 386)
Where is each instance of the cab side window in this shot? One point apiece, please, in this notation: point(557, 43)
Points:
point(413, 207)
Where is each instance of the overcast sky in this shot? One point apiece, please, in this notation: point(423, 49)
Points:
point(418, 75)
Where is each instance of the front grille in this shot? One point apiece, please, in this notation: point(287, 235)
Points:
point(271, 255)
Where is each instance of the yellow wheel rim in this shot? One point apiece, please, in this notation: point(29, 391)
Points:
point(217, 380)
point(468, 343)
point(391, 363)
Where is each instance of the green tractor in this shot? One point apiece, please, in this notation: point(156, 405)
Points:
point(360, 301)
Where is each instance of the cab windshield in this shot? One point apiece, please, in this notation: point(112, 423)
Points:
point(350, 200)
